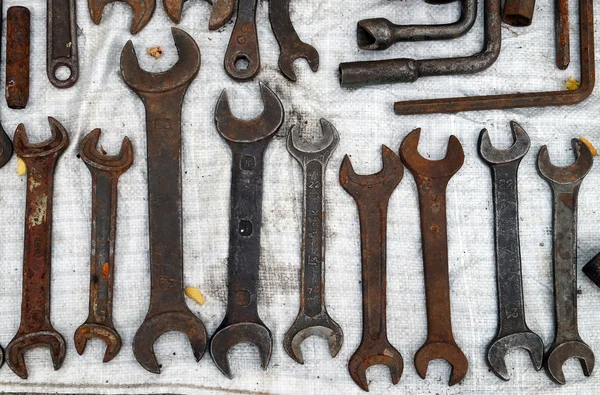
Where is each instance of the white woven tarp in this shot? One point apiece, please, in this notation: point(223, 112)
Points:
point(365, 121)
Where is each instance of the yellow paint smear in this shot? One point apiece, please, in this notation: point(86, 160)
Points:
point(194, 293)
point(21, 167)
point(572, 84)
point(590, 146)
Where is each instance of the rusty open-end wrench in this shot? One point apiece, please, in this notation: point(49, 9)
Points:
point(220, 13)
point(431, 178)
point(513, 331)
point(105, 171)
point(242, 58)
point(313, 318)
point(290, 45)
point(162, 95)
point(565, 183)
point(35, 329)
point(61, 42)
point(247, 140)
point(142, 11)
point(372, 193)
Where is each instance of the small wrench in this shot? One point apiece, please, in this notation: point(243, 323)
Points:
point(247, 141)
point(221, 11)
point(142, 11)
point(162, 95)
point(242, 58)
point(61, 42)
point(513, 331)
point(105, 170)
point(372, 193)
point(290, 45)
point(565, 183)
point(313, 318)
point(35, 329)
point(431, 178)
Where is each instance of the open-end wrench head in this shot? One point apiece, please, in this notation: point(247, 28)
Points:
point(105, 333)
point(559, 354)
point(568, 174)
point(517, 151)
point(57, 143)
point(449, 352)
point(289, 56)
point(95, 159)
point(374, 34)
point(443, 168)
point(244, 332)
point(304, 150)
point(592, 269)
point(181, 74)
point(154, 327)
point(500, 347)
point(248, 131)
point(381, 353)
point(142, 11)
point(6, 147)
point(21, 344)
point(304, 327)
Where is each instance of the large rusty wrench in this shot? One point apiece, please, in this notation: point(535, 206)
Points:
point(105, 171)
point(61, 42)
point(142, 11)
point(36, 329)
point(162, 95)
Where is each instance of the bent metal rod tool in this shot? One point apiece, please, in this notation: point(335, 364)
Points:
point(513, 331)
point(565, 183)
point(61, 42)
point(17, 56)
point(290, 45)
point(105, 171)
point(313, 318)
point(162, 95)
point(35, 329)
point(142, 11)
point(372, 194)
point(247, 141)
point(242, 58)
point(432, 178)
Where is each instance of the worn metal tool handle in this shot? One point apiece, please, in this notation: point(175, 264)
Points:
point(61, 41)
point(243, 44)
point(17, 56)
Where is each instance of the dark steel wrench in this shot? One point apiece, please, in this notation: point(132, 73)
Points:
point(242, 58)
point(35, 329)
point(513, 331)
point(162, 95)
point(313, 318)
point(247, 141)
point(105, 171)
point(290, 45)
point(431, 178)
point(142, 11)
point(372, 193)
point(61, 42)
point(565, 183)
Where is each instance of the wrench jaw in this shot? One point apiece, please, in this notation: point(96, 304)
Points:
point(443, 168)
point(20, 344)
point(517, 151)
point(174, 9)
point(560, 353)
point(374, 34)
point(500, 347)
point(57, 143)
point(142, 12)
point(449, 352)
point(112, 163)
point(302, 50)
point(322, 326)
point(375, 353)
point(244, 332)
point(95, 331)
point(569, 174)
point(305, 151)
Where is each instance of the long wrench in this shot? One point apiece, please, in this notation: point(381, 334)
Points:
point(313, 318)
point(61, 42)
point(242, 58)
point(565, 183)
point(513, 331)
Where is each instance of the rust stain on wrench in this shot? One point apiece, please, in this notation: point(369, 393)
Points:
point(372, 193)
point(243, 44)
point(61, 42)
point(35, 329)
point(142, 11)
point(162, 95)
point(565, 183)
point(431, 178)
point(313, 318)
point(247, 141)
point(105, 171)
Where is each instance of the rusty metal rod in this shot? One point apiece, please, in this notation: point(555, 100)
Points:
point(17, 57)
point(561, 27)
point(518, 13)
point(353, 74)
point(521, 100)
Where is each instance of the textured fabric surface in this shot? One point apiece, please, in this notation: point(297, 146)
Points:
point(365, 120)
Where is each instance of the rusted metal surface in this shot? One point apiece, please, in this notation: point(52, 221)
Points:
point(17, 56)
point(561, 28)
point(565, 183)
point(432, 178)
point(521, 100)
point(513, 331)
point(142, 11)
point(518, 12)
point(313, 318)
point(247, 140)
point(61, 42)
point(290, 45)
point(380, 33)
point(35, 329)
point(162, 95)
point(372, 193)
point(389, 71)
point(242, 58)
point(105, 171)
point(221, 13)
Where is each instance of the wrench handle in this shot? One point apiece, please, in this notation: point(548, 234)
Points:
point(243, 44)
point(61, 41)
point(282, 26)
